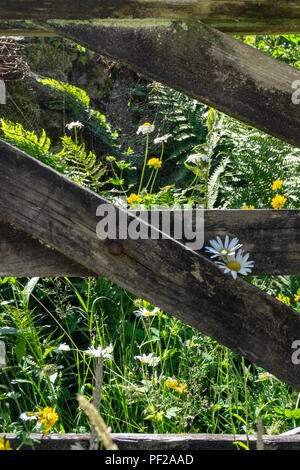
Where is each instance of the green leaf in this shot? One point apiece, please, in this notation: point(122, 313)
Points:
point(20, 349)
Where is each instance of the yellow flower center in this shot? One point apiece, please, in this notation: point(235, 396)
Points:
point(148, 314)
point(224, 251)
point(234, 266)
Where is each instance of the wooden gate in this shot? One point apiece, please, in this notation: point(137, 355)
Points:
point(48, 223)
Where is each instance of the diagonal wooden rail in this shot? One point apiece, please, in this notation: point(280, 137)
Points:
point(202, 62)
point(59, 212)
point(248, 16)
point(22, 255)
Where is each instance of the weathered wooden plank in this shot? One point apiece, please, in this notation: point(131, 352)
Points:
point(250, 16)
point(204, 63)
point(21, 255)
point(168, 442)
point(272, 237)
point(61, 213)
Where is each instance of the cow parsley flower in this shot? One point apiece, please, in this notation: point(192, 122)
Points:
point(145, 128)
point(105, 353)
point(149, 359)
point(163, 138)
point(197, 158)
point(74, 124)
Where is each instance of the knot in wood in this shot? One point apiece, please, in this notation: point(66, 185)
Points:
point(115, 248)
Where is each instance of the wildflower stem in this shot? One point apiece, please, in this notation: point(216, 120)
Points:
point(97, 400)
point(160, 159)
point(145, 161)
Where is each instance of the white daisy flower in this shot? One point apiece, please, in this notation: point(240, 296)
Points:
point(226, 248)
point(236, 264)
point(105, 353)
point(74, 124)
point(148, 359)
point(28, 416)
point(163, 138)
point(197, 158)
point(63, 347)
point(145, 128)
point(190, 343)
point(146, 312)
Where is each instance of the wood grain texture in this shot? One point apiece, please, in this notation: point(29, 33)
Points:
point(22, 255)
point(45, 204)
point(168, 442)
point(279, 231)
point(250, 16)
point(204, 63)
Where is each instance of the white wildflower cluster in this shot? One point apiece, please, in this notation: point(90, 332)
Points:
point(163, 138)
point(233, 258)
point(149, 359)
point(197, 158)
point(98, 352)
point(76, 124)
point(28, 416)
point(146, 128)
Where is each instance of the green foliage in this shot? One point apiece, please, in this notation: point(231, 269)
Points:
point(70, 91)
point(285, 47)
point(255, 161)
point(80, 165)
point(185, 117)
point(79, 102)
point(27, 141)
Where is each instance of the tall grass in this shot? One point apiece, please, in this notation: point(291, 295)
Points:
point(217, 391)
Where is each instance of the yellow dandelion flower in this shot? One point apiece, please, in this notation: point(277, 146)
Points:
point(48, 417)
point(133, 199)
point(182, 388)
point(4, 445)
point(155, 163)
point(171, 383)
point(297, 298)
point(285, 299)
point(278, 202)
point(247, 207)
point(277, 184)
